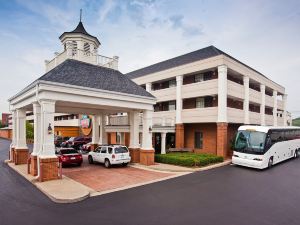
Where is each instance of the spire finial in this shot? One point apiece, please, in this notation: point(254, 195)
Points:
point(80, 14)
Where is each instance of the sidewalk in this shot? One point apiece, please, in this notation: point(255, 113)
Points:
point(65, 190)
point(179, 169)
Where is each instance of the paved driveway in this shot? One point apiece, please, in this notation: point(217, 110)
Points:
point(100, 179)
point(229, 195)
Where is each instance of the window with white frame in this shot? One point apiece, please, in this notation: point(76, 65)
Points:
point(200, 102)
point(199, 77)
point(172, 83)
point(172, 105)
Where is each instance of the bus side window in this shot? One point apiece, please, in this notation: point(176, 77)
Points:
point(268, 142)
point(276, 136)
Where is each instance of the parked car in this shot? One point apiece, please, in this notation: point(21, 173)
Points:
point(58, 140)
point(69, 156)
point(77, 142)
point(65, 144)
point(110, 155)
point(87, 147)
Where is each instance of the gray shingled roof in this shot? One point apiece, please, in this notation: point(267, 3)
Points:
point(83, 74)
point(79, 30)
point(200, 54)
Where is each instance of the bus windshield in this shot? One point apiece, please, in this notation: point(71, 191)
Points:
point(251, 142)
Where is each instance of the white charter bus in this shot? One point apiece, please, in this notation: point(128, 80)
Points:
point(261, 146)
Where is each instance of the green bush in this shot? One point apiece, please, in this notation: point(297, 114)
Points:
point(188, 159)
point(29, 131)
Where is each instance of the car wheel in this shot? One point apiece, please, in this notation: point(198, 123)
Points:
point(90, 158)
point(106, 163)
point(270, 163)
point(124, 164)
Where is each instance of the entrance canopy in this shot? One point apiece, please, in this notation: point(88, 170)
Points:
point(77, 87)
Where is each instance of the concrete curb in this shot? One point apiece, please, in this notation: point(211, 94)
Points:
point(55, 190)
point(182, 169)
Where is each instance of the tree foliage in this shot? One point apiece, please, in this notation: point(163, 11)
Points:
point(29, 130)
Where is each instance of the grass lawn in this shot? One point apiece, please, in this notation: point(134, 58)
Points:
point(188, 159)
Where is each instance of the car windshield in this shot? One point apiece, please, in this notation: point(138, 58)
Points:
point(71, 139)
point(252, 142)
point(68, 151)
point(121, 150)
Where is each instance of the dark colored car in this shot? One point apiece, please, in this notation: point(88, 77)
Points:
point(58, 140)
point(69, 156)
point(77, 142)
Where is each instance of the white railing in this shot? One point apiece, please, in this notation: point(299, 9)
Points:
point(156, 121)
point(83, 56)
point(118, 120)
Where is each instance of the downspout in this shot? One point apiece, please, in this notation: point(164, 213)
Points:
point(42, 136)
point(11, 144)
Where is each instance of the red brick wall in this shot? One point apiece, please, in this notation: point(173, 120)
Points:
point(209, 137)
point(6, 133)
point(179, 136)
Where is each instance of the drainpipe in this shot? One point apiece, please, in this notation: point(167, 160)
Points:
point(42, 141)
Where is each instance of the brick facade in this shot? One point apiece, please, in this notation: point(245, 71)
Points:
point(222, 139)
point(21, 156)
point(135, 155)
point(6, 133)
point(33, 165)
point(48, 169)
point(179, 136)
point(147, 157)
point(209, 137)
point(213, 134)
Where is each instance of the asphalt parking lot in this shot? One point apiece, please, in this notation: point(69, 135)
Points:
point(228, 195)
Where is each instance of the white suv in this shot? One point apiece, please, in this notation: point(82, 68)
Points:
point(110, 155)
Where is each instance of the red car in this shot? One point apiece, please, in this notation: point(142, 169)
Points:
point(69, 156)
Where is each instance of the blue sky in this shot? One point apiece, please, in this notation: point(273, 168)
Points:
point(263, 34)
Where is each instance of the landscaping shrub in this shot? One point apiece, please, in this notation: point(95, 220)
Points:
point(188, 159)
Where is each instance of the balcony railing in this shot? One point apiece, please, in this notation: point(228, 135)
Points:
point(83, 56)
point(163, 120)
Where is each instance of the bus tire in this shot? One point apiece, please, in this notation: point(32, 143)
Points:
point(270, 163)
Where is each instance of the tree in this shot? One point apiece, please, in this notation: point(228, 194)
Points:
point(29, 130)
point(1, 124)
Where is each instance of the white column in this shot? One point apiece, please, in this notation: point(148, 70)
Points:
point(37, 145)
point(80, 50)
point(103, 134)
point(178, 99)
point(47, 122)
point(14, 127)
point(21, 129)
point(95, 130)
point(148, 87)
point(246, 100)
point(69, 49)
point(275, 107)
point(147, 130)
point(284, 99)
point(134, 129)
point(222, 93)
point(263, 105)
point(163, 143)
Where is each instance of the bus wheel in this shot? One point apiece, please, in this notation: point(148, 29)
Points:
point(270, 163)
